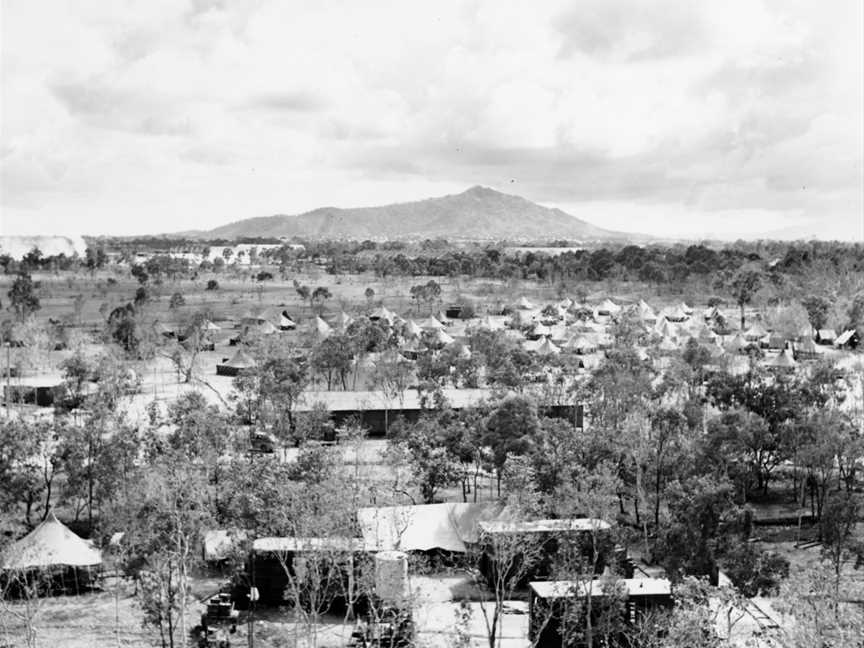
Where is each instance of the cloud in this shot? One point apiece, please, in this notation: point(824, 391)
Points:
point(696, 109)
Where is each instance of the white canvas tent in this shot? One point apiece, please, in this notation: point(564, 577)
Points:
point(51, 544)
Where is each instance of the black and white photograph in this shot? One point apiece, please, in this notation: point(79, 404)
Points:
point(415, 324)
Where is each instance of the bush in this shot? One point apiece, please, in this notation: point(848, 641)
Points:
point(264, 276)
point(176, 301)
point(212, 285)
point(753, 572)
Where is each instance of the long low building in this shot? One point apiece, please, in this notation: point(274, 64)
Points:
point(549, 602)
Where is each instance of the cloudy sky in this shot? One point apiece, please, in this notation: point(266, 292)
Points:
point(727, 118)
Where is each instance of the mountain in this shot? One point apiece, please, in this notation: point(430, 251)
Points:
point(476, 214)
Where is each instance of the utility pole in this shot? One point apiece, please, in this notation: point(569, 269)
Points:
point(8, 376)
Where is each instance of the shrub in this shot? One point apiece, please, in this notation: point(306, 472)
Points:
point(212, 285)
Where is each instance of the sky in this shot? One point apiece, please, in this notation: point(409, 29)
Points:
point(683, 118)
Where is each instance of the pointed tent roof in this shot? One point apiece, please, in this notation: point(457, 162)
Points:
point(524, 304)
point(687, 309)
point(755, 332)
point(580, 344)
point(321, 327)
point(343, 320)
point(49, 544)
point(383, 313)
point(441, 337)
point(210, 326)
point(286, 322)
point(546, 347)
point(737, 343)
point(784, 360)
point(412, 329)
point(645, 311)
point(442, 317)
point(241, 360)
point(431, 324)
point(676, 314)
point(540, 329)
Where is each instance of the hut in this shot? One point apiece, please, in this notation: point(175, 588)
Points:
point(52, 558)
point(848, 339)
point(826, 336)
point(806, 349)
point(278, 564)
point(241, 362)
point(549, 602)
point(542, 539)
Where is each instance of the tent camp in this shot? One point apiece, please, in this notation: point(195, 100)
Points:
point(68, 561)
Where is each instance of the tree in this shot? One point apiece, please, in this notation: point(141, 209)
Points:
point(23, 299)
point(744, 285)
point(421, 446)
point(280, 379)
point(510, 429)
point(318, 297)
point(817, 311)
point(177, 300)
point(392, 377)
point(332, 357)
point(212, 284)
point(369, 293)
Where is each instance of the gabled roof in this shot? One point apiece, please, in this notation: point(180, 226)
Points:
point(50, 544)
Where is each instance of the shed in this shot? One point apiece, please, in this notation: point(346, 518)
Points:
point(549, 602)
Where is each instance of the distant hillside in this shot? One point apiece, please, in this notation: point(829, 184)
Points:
point(476, 214)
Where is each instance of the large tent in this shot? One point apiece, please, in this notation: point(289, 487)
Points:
point(382, 314)
point(431, 324)
point(54, 550)
point(608, 307)
point(321, 328)
point(286, 323)
point(524, 304)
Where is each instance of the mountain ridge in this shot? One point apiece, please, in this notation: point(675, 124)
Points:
point(479, 213)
